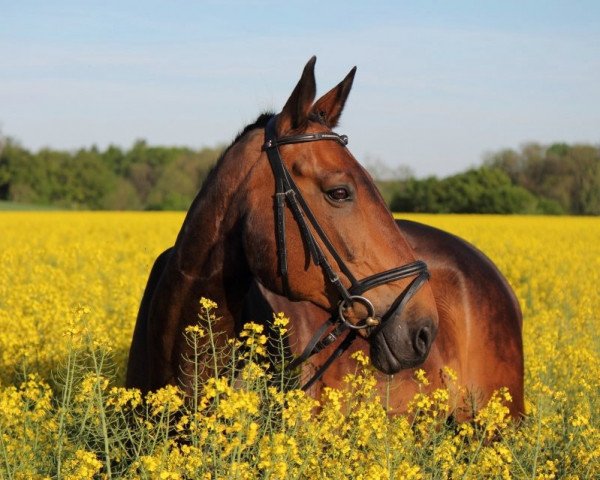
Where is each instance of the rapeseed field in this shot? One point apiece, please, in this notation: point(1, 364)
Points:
point(70, 286)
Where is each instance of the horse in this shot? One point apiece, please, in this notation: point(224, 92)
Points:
point(289, 218)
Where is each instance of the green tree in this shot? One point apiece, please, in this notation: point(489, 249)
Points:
point(483, 190)
point(564, 176)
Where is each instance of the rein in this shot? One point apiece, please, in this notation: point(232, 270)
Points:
point(288, 193)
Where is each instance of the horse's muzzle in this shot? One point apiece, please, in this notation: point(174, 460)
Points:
point(401, 345)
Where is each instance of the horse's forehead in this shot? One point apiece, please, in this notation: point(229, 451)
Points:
point(323, 155)
point(321, 158)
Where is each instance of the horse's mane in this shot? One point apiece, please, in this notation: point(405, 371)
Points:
point(260, 122)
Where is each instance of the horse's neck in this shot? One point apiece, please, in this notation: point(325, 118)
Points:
point(208, 249)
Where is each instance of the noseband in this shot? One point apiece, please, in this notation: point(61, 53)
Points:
point(287, 192)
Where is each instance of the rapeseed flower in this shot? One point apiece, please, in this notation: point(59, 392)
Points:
point(68, 300)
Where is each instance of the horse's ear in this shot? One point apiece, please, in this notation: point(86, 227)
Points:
point(329, 107)
point(295, 111)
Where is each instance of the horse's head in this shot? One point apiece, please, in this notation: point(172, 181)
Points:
point(326, 221)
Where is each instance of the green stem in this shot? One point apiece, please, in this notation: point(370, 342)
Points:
point(65, 401)
point(5, 455)
point(103, 423)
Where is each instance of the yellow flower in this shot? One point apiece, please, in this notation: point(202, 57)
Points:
point(238, 402)
point(280, 322)
point(250, 329)
point(420, 376)
point(450, 373)
point(360, 358)
point(82, 465)
point(494, 417)
point(165, 400)
point(207, 304)
point(121, 398)
point(195, 330)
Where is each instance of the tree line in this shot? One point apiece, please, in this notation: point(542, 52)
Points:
point(554, 179)
point(141, 178)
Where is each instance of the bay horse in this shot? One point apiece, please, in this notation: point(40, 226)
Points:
point(289, 218)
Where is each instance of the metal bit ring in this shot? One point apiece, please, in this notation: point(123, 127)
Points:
point(370, 321)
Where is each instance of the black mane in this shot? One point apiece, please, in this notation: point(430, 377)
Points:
point(260, 122)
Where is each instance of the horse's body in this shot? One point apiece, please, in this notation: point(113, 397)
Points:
point(479, 332)
point(234, 235)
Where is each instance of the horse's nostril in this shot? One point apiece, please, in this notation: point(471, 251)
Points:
point(422, 341)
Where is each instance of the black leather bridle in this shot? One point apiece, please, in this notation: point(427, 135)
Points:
point(287, 192)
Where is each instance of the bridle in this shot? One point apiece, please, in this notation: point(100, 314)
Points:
point(287, 192)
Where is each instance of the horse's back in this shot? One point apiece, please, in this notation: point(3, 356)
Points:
point(445, 250)
point(480, 317)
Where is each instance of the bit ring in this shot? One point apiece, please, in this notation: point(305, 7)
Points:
point(370, 321)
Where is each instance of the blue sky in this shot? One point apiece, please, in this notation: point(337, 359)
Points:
point(439, 83)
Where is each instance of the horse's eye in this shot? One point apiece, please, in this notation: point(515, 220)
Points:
point(338, 194)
